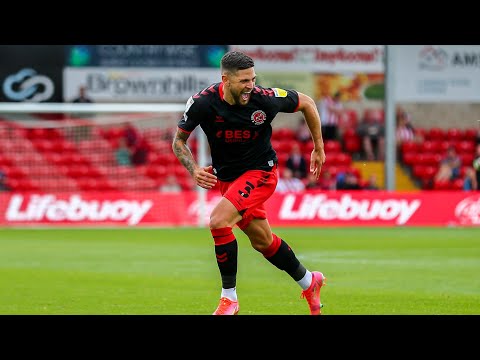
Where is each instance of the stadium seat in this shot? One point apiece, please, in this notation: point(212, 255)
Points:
point(334, 170)
point(285, 146)
point(156, 171)
point(333, 146)
point(343, 159)
point(409, 146)
point(351, 141)
point(435, 133)
point(306, 148)
point(285, 133)
point(352, 145)
point(43, 145)
point(409, 158)
point(465, 146)
point(454, 134)
point(470, 134)
point(14, 172)
point(444, 145)
point(467, 158)
point(441, 185)
point(457, 184)
point(5, 160)
point(62, 145)
point(430, 146)
point(282, 158)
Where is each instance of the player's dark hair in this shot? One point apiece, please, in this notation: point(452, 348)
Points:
point(233, 61)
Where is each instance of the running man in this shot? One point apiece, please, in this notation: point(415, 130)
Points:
point(236, 116)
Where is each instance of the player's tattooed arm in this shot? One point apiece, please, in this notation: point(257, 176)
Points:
point(182, 151)
point(202, 175)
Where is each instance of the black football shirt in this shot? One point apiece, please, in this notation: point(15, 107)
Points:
point(238, 135)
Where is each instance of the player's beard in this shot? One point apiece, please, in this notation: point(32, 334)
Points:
point(239, 99)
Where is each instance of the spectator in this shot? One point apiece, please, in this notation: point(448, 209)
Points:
point(137, 144)
point(347, 181)
point(330, 109)
point(296, 162)
point(470, 182)
point(171, 185)
point(449, 167)
point(82, 96)
point(405, 130)
point(472, 174)
point(312, 183)
point(326, 181)
point(372, 132)
point(372, 183)
point(287, 182)
point(3, 182)
point(131, 135)
point(140, 152)
point(122, 153)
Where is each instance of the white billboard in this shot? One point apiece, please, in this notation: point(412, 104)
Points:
point(137, 84)
point(437, 73)
point(316, 58)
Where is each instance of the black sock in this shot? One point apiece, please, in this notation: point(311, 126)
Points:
point(285, 259)
point(227, 255)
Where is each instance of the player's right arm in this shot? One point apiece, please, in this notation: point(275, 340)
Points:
point(191, 118)
point(202, 175)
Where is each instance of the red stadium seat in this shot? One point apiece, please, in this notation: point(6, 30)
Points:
point(307, 147)
point(430, 146)
point(344, 159)
point(465, 146)
point(435, 133)
point(282, 158)
point(467, 159)
point(470, 134)
point(409, 158)
point(454, 134)
point(457, 184)
point(333, 146)
point(409, 146)
point(441, 185)
point(285, 146)
point(351, 141)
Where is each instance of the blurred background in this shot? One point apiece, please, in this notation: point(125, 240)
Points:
point(86, 132)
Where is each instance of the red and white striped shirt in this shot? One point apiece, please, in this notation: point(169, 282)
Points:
point(329, 117)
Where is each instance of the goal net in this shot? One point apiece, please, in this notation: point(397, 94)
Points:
point(69, 148)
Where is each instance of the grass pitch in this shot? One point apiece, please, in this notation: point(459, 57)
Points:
point(370, 271)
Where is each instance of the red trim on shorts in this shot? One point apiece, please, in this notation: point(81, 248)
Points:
point(222, 236)
point(272, 249)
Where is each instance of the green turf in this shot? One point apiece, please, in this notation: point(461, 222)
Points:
point(173, 271)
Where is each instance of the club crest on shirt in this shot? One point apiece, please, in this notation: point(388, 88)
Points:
point(258, 117)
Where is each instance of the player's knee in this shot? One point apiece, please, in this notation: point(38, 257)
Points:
point(218, 221)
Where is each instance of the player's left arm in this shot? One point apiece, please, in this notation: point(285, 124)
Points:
point(309, 109)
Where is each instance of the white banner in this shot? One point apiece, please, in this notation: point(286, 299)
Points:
point(316, 58)
point(137, 84)
point(437, 73)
